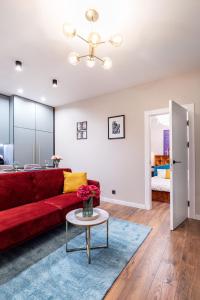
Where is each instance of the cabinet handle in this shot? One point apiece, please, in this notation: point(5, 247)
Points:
point(33, 153)
point(39, 153)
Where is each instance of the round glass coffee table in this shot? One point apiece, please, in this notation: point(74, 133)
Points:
point(102, 218)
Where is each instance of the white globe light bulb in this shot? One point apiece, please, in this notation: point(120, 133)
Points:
point(69, 30)
point(74, 58)
point(107, 63)
point(90, 62)
point(116, 40)
point(94, 38)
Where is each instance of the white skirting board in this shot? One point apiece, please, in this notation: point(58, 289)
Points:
point(133, 204)
point(122, 202)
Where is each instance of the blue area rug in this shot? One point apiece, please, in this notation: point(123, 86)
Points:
point(68, 276)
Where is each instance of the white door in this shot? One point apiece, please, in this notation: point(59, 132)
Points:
point(179, 164)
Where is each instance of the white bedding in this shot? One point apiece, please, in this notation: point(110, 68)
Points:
point(160, 184)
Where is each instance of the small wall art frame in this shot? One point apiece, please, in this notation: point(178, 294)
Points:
point(81, 130)
point(116, 127)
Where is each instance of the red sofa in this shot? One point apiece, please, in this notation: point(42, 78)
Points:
point(32, 203)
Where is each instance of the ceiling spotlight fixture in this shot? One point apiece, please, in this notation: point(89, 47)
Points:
point(55, 83)
point(20, 91)
point(93, 40)
point(18, 66)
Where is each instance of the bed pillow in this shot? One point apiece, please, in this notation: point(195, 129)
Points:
point(161, 173)
point(156, 168)
point(167, 174)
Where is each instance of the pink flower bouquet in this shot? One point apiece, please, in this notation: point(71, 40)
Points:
point(87, 193)
point(84, 192)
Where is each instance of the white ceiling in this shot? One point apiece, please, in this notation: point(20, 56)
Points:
point(161, 38)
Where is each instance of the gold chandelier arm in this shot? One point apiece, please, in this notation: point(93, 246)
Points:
point(82, 56)
point(99, 58)
point(103, 42)
point(82, 38)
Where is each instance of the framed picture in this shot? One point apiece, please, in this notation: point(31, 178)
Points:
point(82, 126)
point(81, 132)
point(116, 127)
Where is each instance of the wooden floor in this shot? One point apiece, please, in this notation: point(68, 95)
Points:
point(167, 265)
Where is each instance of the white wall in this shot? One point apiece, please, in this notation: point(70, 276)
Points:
point(119, 164)
point(157, 136)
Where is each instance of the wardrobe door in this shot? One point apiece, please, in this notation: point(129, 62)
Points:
point(44, 147)
point(44, 117)
point(24, 113)
point(24, 146)
point(4, 120)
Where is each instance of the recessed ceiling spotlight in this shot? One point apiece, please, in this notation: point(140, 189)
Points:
point(18, 66)
point(20, 91)
point(55, 83)
point(43, 99)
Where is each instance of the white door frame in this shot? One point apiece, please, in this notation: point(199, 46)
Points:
point(191, 162)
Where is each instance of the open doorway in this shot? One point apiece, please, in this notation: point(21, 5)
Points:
point(160, 158)
point(181, 160)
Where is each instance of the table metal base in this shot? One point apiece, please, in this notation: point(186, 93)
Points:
point(88, 247)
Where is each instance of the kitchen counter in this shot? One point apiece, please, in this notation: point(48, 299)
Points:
point(22, 170)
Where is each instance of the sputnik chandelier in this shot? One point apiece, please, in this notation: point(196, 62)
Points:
point(93, 41)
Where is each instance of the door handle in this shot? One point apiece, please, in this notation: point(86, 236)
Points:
point(176, 162)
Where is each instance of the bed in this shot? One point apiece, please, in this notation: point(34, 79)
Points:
point(160, 186)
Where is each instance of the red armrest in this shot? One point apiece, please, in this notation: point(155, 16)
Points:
point(93, 182)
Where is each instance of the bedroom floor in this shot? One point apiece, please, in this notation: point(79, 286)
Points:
point(167, 266)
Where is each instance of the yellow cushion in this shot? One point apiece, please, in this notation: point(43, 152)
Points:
point(72, 181)
point(167, 175)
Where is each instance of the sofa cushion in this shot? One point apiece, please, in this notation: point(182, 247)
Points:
point(67, 202)
point(15, 190)
point(72, 181)
point(48, 183)
point(22, 223)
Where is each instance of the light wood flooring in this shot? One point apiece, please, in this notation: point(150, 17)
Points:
point(167, 265)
